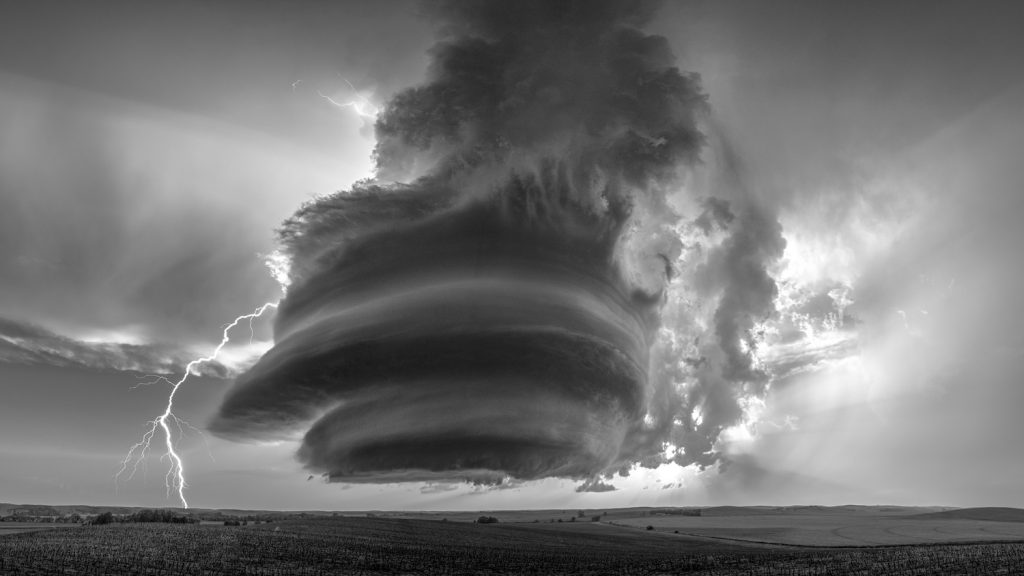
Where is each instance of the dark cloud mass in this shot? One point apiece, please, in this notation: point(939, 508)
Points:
point(503, 300)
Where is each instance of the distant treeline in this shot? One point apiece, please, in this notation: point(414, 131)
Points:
point(163, 515)
point(675, 512)
point(37, 513)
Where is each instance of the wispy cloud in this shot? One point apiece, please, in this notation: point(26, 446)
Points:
point(26, 343)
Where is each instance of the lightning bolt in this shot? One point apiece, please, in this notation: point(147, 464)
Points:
point(360, 105)
point(175, 478)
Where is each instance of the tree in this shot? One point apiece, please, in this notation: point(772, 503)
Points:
point(105, 518)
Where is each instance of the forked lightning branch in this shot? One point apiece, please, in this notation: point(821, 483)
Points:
point(175, 478)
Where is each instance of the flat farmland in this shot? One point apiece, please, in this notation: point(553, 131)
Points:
point(340, 545)
point(7, 528)
point(836, 527)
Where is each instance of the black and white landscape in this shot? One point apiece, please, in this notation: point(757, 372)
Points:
point(547, 286)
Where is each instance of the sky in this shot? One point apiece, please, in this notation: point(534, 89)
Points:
point(812, 298)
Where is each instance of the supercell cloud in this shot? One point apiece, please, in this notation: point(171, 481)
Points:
point(532, 285)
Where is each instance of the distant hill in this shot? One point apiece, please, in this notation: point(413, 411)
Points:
point(991, 514)
point(37, 510)
point(738, 511)
point(555, 515)
point(801, 510)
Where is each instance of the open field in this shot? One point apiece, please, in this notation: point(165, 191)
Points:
point(841, 526)
point(8, 528)
point(341, 545)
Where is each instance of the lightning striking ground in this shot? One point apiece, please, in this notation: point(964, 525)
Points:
point(175, 478)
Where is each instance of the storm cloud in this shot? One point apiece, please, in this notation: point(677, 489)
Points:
point(512, 295)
